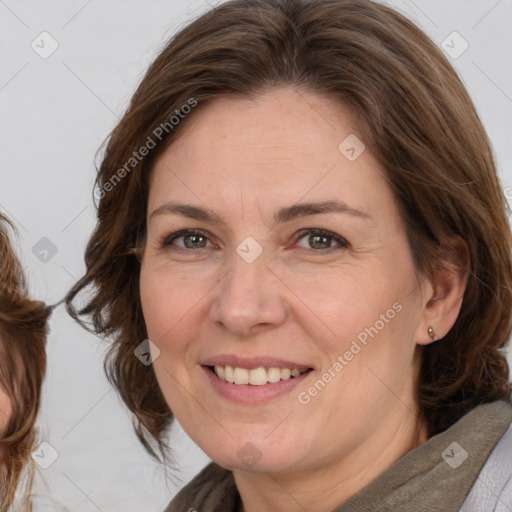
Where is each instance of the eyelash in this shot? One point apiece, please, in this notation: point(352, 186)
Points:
point(343, 244)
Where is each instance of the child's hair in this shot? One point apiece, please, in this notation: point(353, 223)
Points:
point(23, 331)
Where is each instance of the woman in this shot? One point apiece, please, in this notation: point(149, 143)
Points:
point(301, 227)
point(23, 330)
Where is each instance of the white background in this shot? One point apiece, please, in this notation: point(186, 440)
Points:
point(55, 113)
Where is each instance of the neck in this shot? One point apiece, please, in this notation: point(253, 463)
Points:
point(326, 487)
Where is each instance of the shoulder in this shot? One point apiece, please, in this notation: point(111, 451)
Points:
point(492, 490)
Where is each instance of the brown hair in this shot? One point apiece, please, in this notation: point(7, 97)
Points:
point(415, 116)
point(23, 330)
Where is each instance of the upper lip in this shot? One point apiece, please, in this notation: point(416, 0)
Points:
point(254, 362)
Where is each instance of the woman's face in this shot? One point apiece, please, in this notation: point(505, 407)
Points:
point(253, 287)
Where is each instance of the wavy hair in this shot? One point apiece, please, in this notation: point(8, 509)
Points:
point(415, 116)
point(23, 332)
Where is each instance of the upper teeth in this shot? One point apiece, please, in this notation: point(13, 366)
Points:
point(255, 376)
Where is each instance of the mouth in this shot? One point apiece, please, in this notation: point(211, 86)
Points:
point(257, 385)
point(255, 376)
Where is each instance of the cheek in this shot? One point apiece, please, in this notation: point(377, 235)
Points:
point(160, 304)
point(342, 302)
point(170, 305)
point(368, 318)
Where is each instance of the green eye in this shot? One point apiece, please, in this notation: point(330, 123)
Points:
point(191, 239)
point(321, 240)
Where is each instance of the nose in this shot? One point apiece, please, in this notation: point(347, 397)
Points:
point(249, 298)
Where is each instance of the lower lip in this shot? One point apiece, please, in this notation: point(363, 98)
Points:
point(249, 394)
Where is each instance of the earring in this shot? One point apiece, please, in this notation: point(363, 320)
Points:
point(431, 333)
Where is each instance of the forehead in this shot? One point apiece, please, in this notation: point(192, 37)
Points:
point(286, 121)
point(283, 145)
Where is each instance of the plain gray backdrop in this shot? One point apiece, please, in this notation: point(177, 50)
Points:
point(68, 70)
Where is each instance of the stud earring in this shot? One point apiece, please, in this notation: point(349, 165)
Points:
point(431, 333)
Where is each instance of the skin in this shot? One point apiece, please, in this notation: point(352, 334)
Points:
point(246, 159)
point(5, 402)
point(5, 409)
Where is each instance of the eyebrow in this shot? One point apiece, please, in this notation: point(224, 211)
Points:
point(285, 214)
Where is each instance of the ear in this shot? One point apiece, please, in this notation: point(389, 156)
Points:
point(444, 293)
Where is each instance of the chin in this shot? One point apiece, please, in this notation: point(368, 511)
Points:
point(253, 453)
point(252, 463)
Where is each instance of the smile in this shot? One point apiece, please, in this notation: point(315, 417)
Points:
point(254, 385)
point(255, 376)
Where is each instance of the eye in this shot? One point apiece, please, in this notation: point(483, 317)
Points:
point(191, 239)
point(321, 240)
